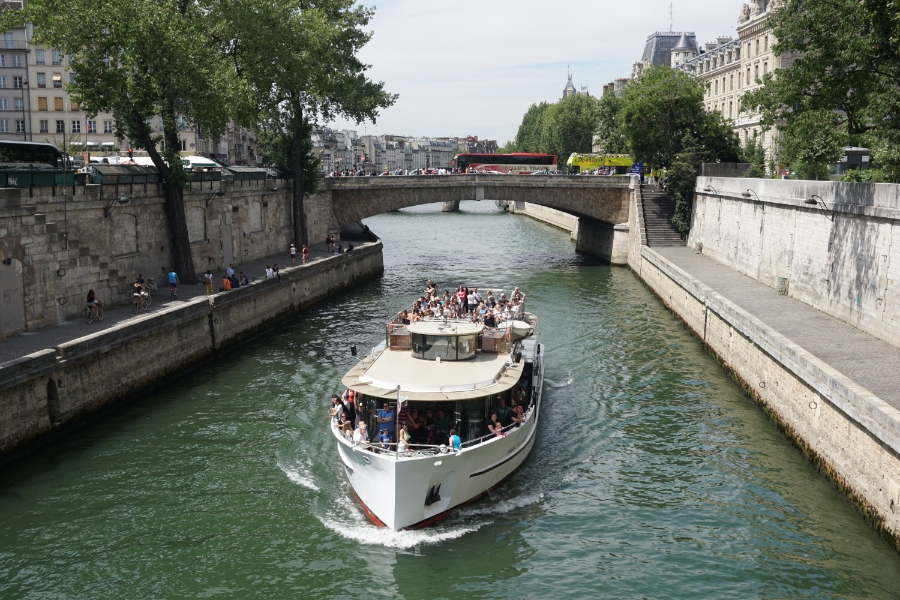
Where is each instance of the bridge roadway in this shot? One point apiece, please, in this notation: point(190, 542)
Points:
point(601, 203)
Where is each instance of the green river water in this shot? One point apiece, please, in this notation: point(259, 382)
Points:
point(653, 475)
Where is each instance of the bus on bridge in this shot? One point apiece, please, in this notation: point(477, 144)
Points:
point(604, 164)
point(520, 163)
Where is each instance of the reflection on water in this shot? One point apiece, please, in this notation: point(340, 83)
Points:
point(652, 475)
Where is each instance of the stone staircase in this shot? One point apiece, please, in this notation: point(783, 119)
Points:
point(659, 207)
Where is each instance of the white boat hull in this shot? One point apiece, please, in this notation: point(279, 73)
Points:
point(393, 491)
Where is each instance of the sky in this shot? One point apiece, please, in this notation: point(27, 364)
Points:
point(473, 68)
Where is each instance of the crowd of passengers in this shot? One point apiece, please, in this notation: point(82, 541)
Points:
point(464, 303)
point(430, 426)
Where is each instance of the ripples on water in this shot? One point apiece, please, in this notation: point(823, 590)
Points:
point(652, 476)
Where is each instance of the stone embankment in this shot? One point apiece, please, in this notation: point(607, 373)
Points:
point(51, 391)
point(830, 387)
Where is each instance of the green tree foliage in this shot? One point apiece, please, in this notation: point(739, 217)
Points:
point(530, 135)
point(609, 135)
point(147, 62)
point(300, 59)
point(569, 126)
point(658, 108)
point(754, 154)
point(682, 177)
point(275, 148)
point(846, 62)
point(812, 143)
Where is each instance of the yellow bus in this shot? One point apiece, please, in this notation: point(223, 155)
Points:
point(607, 164)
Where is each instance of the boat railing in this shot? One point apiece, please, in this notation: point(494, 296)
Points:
point(503, 431)
point(397, 336)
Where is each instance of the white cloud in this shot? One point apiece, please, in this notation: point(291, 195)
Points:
point(473, 68)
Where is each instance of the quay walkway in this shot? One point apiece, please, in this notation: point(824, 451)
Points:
point(29, 342)
point(870, 362)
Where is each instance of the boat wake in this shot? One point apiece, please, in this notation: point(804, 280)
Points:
point(501, 507)
point(300, 475)
point(566, 383)
point(364, 532)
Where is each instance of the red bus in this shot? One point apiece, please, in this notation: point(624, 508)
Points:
point(517, 163)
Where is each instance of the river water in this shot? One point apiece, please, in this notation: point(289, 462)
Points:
point(653, 475)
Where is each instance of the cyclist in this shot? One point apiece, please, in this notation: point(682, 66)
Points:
point(137, 291)
point(173, 283)
point(93, 303)
point(145, 288)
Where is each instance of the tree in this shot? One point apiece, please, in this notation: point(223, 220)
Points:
point(275, 147)
point(140, 60)
point(609, 135)
point(658, 108)
point(754, 154)
point(299, 58)
point(569, 125)
point(530, 135)
point(813, 141)
point(845, 61)
point(682, 178)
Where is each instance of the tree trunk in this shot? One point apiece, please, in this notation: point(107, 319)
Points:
point(179, 240)
point(297, 212)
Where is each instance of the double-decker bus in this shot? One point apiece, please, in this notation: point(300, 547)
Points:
point(607, 164)
point(517, 163)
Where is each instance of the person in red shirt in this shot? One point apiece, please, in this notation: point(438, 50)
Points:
point(226, 284)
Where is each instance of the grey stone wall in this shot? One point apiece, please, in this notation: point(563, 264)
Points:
point(62, 246)
point(49, 392)
point(848, 268)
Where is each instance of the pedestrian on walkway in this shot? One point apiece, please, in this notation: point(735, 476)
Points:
point(293, 253)
point(208, 282)
point(305, 256)
point(275, 272)
point(230, 270)
point(173, 284)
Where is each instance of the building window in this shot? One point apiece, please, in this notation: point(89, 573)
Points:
point(42, 103)
point(57, 80)
point(20, 126)
point(10, 43)
point(4, 104)
point(765, 68)
point(57, 57)
point(72, 77)
point(730, 109)
point(17, 82)
point(60, 127)
point(767, 44)
point(39, 57)
point(45, 126)
point(42, 80)
point(2, 60)
point(4, 125)
point(76, 126)
point(717, 87)
point(92, 126)
point(17, 61)
point(107, 127)
point(731, 83)
point(19, 103)
point(756, 73)
point(757, 47)
point(58, 104)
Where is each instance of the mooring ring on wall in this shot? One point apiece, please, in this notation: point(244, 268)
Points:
point(813, 404)
point(762, 384)
point(216, 321)
point(246, 252)
point(60, 272)
point(61, 300)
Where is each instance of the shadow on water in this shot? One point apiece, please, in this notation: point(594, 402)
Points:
point(652, 475)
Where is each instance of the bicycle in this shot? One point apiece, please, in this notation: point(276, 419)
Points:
point(136, 304)
point(89, 315)
point(172, 294)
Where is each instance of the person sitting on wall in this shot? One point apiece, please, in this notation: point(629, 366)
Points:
point(243, 279)
point(235, 282)
point(226, 284)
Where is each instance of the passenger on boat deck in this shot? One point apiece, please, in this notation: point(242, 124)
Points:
point(344, 423)
point(518, 415)
point(403, 439)
point(494, 426)
point(385, 439)
point(489, 319)
point(517, 296)
point(504, 413)
point(461, 295)
point(337, 409)
point(428, 427)
point(361, 436)
point(347, 431)
point(386, 418)
point(414, 423)
point(477, 295)
point(442, 424)
point(362, 414)
point(404, 319)
point(454, 441)
point(471, 303)
point(349, 407)
point(490, 300)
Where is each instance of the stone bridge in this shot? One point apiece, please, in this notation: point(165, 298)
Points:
point(601, 203)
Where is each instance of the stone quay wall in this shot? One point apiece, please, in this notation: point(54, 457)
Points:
point(851, 435)
point(845, 263)
point(47, 393)
point(56, 244)
point(550, 216)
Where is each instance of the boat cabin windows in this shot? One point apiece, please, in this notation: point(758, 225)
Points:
point(431, 347)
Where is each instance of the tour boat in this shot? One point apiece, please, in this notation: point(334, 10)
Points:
point(464, 369)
